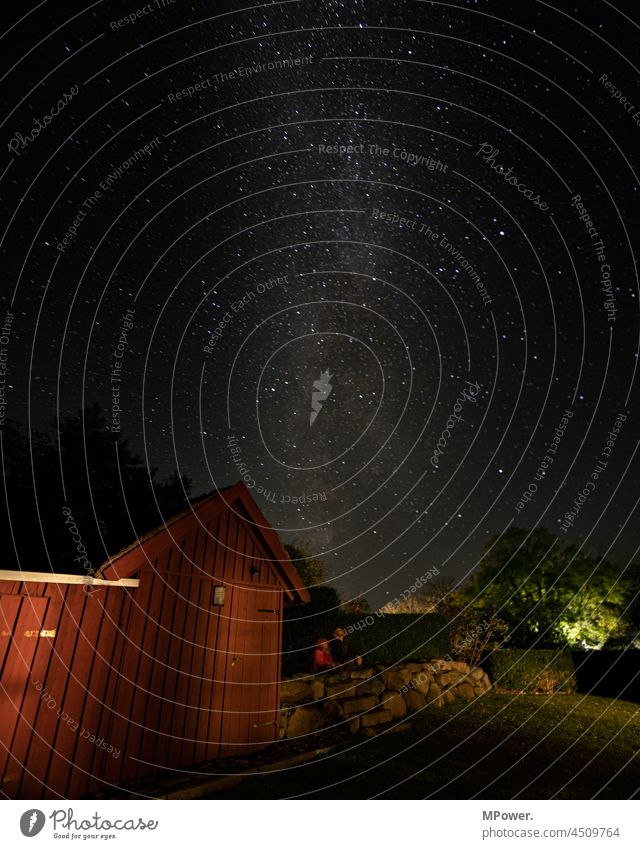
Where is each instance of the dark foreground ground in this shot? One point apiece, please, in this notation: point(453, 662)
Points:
point(500, 747)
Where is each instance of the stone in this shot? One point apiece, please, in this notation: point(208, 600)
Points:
point(332, 711)
point(479, 691)
point(282, 725)
point(304, 720)
point(293, 691)
point(395, 678)
point(351, 706)
point(447, 696)
point(376, 717)
point(368, 732)
point(414, 667)
point(346, 688)
point(414, 701)
point(354, 725)
point(394, 702)
point(464, 691)
point(372, 687)
point(455, 666)
point(449, 679)
point(362, 672)
point(434, 692)
point(317, 690)
point(476, 674)
point(421, 682)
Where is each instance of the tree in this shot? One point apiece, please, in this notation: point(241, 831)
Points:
point(550, 593)
point(426, 600)
point(311, 569)
point(85, 477)
point(357, 606)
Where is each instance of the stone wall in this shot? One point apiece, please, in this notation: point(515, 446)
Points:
point(367, 699)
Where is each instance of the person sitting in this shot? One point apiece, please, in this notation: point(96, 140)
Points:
point(322, 659)
point(340, 651)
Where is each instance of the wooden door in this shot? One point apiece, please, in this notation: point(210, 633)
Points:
point(250, 706)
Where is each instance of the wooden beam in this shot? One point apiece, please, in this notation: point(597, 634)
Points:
point(54, 578)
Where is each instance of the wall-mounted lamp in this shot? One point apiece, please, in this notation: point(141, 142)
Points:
point(219, 596)
point(254, 570)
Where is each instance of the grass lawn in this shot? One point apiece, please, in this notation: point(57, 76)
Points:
point(498, 747)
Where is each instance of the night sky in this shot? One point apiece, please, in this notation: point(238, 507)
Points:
point(427, 209)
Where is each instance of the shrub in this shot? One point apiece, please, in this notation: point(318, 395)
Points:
point(532, 670)
point(379, 639)
point(397, 637)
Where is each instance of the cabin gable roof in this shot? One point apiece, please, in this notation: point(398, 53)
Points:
point(237, 498)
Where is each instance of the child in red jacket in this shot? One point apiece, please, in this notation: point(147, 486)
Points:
point(322, 656)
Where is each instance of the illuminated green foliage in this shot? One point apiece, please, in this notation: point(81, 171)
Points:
point(552, 593)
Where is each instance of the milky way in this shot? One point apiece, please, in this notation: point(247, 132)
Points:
point(415, 219)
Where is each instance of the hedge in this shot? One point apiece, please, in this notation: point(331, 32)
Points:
point(532, 670)
point(387, 639)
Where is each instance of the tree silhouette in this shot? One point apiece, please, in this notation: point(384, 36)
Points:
point(83, 476)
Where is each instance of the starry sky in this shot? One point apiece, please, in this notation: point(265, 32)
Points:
point(426, 209)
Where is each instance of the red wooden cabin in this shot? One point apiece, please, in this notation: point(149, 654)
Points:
point(169, 657)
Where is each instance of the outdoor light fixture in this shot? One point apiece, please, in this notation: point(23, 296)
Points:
point(254, 570)
point(219, 595)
